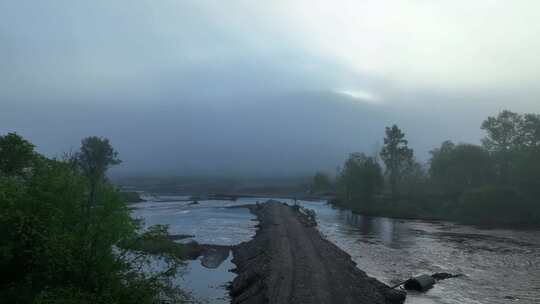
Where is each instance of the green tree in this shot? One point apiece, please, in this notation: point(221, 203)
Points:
point(509, 136)
point(414, 179)
point(396, 156)
point(505, 135)
point(360, 179)
point(49, 255)
point(321, 182)
point(95, 158)
point(530, 130)
point(456, 168)
point(16, 154)
point(503, 131)
point(526, 172)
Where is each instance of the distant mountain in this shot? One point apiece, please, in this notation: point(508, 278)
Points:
point(272, 135)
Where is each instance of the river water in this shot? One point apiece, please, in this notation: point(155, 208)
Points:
point(499, 265)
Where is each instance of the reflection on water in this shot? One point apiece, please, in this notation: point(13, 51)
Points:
point(210, 222)
point(500, 266)
point(208, 285)
point(372, 228)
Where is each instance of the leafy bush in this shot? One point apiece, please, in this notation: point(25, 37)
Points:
point(57, 248)
point(496, 205)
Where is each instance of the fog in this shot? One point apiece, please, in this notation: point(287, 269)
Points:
point(260, 88)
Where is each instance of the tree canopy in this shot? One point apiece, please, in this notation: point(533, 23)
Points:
point(498, 181)
point(510, 137)
point(456, 168)
point(396, 155)
point(361, 178)
point(322, 182)
point(96, 156)
point(16, 154)
point(53, 249)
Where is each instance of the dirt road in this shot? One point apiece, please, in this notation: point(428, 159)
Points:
point(289, 262)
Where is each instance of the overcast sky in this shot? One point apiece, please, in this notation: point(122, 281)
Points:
point(181, 76)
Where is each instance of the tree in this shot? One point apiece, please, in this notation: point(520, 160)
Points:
point(16, 154)
point(503, 131)
point(396, 156)
point(509, 135)
point(456, 168)
point(95, 158)
point(530, 130)
point(525, 172)
point(504, 137)
point(413, 180)
point(321, 182)
point(360, 179)
point(48, 255)
point(511, 131)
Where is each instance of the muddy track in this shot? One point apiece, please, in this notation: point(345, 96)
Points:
point(289, 262)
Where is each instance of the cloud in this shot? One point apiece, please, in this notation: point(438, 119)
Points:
point(359, 95)
point(443, 44)
point(104, 48)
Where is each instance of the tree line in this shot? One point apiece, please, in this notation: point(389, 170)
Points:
point(497, 181)
point(66, 232)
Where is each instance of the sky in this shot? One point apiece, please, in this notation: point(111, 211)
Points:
point(261, 87)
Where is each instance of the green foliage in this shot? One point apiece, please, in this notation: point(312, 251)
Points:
point(96, 156)
point(16, 154)
point(490, 204)
point(503, 131)
point(54, 249)
point(414, 180)
point(498, 182)
point(156, 240)
point(456, 168)
point(526, 172)
point(530, 130)
point(322, 182)
point(360, 179)
point(508, 136)
point(396, 156)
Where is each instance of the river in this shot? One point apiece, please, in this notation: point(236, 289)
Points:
point(499, 265)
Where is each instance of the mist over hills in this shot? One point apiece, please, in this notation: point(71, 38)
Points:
point(189, 87)
point(271, 135)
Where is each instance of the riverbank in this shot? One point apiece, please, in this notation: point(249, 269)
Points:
point(472, 211)
point(289, 262)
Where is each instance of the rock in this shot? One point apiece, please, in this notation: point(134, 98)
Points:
point(212, 258)
point(420, 283)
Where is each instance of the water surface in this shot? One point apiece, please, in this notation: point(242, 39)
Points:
point(209, 222)
point(500, 265)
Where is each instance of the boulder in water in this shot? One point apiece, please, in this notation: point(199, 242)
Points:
point(420, 283)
